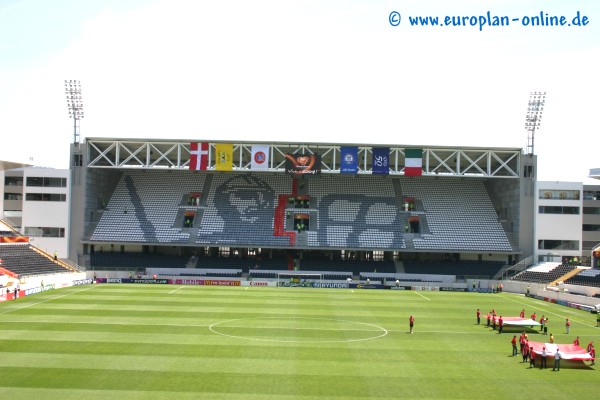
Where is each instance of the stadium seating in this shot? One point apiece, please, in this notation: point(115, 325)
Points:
point(144, 206)
point(544, 273)
point(459, 214)
point(137, 261)
point(588, 277)
point(356, 267)
point(23, 260)
point(355, 212)
point(346, 212)
point(462, 269)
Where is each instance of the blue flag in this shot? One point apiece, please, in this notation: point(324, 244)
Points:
point(349, 160)
point(381, 160)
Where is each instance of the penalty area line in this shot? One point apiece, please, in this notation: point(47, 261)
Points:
point(426, 298)
point(174, 290)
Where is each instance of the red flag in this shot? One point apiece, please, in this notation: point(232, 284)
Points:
point(198, 156)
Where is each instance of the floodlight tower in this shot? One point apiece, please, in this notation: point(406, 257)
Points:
point(75, 105)
point(534, 117)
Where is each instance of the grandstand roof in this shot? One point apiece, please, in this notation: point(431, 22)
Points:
point(436, 160)
point(6, 165)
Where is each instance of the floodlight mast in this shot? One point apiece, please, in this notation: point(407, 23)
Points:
point(75, 105)
point(535, 108)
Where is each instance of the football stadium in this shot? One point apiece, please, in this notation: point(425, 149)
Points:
point(255, 270)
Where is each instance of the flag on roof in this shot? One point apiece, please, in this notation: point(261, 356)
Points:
point(349, 160)
point(198, 156)
point(413, 162)
point(381, 160)
point(224, 157)
point(260, 156)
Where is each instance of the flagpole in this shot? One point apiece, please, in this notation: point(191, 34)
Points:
point(75, 105)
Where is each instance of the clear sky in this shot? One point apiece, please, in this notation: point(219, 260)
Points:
point(302, 70)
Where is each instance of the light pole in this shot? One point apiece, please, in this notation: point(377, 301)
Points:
point(534, 117)
point(75, 105)
point(533, 120)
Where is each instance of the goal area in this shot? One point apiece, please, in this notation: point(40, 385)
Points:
point(291, 279)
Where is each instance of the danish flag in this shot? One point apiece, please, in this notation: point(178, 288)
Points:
point(198, 156)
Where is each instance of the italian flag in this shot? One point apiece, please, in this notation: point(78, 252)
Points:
point(413, 162)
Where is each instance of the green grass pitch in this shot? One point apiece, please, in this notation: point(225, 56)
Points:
point(204, 342)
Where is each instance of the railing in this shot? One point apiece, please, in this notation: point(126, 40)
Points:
point(9, 223)
point(514, 269)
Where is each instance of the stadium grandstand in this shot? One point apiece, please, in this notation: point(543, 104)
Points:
point(23, 263)
point(20, 259)
point(255, 209)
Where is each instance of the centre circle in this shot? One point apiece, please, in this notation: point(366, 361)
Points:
point(297, 330)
